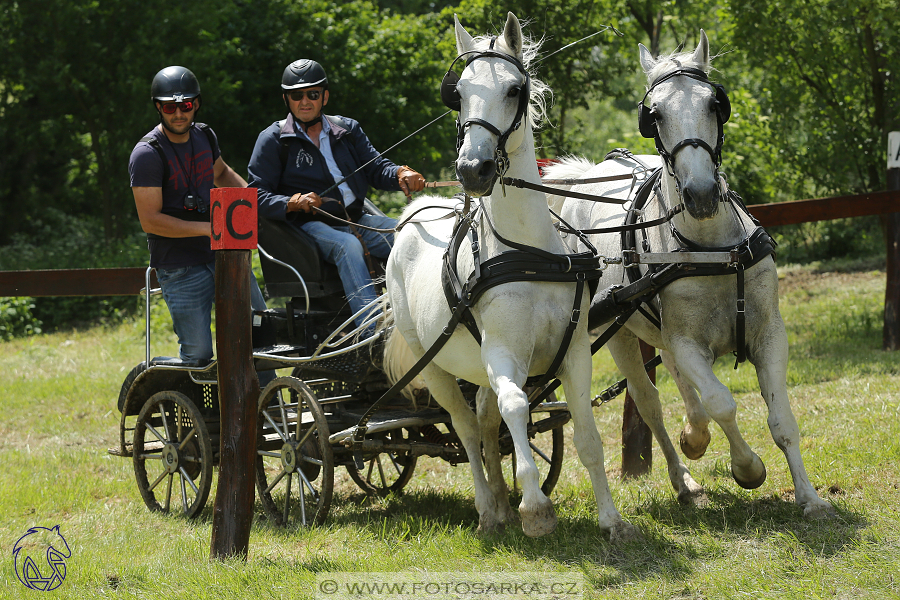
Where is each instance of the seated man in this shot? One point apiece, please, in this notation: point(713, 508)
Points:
point(307, 153)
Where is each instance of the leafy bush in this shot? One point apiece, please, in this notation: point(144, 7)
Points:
point(16, 318)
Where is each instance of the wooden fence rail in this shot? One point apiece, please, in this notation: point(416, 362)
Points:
point(124, 281)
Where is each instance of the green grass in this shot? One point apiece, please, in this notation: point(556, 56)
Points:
point(59, 417)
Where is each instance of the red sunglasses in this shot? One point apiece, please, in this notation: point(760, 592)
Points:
point(169, 107)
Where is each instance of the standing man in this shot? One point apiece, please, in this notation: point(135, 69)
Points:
point(173, 168)
point(304, 155)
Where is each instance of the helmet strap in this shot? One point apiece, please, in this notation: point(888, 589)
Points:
point(307, 124)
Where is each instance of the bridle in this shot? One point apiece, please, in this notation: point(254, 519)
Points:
point(649, 129)
point(451, 98)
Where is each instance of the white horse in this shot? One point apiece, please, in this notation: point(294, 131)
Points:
point(685, 113)
point(521, 323)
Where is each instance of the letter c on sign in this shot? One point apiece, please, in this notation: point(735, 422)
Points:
point(212, 220)
point(230, 225)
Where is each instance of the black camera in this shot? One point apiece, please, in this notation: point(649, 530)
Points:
point(190, 202)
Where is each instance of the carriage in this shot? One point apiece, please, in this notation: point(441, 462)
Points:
point(331, 410)
point(170, 420)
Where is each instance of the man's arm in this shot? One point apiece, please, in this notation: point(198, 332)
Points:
point(148, 201)
point(225, 176)
point(264, 173)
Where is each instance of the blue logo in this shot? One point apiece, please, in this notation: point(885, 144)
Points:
point(40, 558)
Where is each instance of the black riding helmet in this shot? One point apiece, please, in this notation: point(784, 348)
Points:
point(174, 84)
point(303, 73)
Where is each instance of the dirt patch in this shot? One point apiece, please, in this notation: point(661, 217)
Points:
point(811, 280)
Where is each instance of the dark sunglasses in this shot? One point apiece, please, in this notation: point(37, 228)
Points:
point(297, 95)
point(169, 108)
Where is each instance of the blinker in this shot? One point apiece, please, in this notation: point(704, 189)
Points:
point(449, 94)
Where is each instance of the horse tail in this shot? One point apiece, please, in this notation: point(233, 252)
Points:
point(398, 357)
point(568, 167)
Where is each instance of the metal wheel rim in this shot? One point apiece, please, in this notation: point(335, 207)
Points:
point(294, 461)
point(172, 449)
point(386, 472)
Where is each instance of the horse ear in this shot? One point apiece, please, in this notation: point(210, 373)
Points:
point(512, 33)
point(647, 60)
point(464, 41)
point(701, 54)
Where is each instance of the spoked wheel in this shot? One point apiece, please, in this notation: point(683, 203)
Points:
point(388, 471)
point(546, 450)
point(294, 461)
point(172, 453)
point(545, 437)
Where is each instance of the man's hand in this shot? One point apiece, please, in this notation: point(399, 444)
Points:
point(304, 202)
point(410, 181)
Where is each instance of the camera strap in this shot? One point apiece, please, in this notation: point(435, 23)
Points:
point(154, 143)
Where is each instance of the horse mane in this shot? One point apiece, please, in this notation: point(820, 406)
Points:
point(537, 105)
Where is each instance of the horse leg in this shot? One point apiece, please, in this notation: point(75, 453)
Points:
point(489, 420)
point(445, 389)
point(536, 510)
point(575, 376)
point(770, 359)
point(695, 363)
point(625, 350)
point(695, 436)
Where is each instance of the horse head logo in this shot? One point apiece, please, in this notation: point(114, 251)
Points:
point(40, 558)
point(304, 158)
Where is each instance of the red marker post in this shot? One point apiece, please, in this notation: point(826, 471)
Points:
point(233, 216)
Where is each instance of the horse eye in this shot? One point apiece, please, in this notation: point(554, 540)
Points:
point(513, 92)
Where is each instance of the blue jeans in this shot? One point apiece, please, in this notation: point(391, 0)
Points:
point(190, 293)
point(340, 247)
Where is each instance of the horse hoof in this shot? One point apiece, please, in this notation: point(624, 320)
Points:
point(490, 527)
point(696, 498)
point(624, 532)
point(540, 522)
point(819, 511)
point(750, 485)
point(690, 451)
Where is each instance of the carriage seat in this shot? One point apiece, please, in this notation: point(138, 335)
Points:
point(290, 245)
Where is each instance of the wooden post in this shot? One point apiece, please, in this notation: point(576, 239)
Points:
point(891, 224)
point(637, 440)
point(233, 214)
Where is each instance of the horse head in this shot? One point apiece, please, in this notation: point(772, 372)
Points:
point(684, 112)
point(492, 96)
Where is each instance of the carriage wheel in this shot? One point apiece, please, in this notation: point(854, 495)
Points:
point(172, 454)
point(294, 461)
point(388, 471)
point(547, 451)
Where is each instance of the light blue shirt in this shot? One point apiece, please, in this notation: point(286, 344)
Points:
point(325, 149)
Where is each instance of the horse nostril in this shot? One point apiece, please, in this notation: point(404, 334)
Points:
point(487, 169)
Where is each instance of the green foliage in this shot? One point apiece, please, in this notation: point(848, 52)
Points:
point(17, 318)
point(809, 82)
point(825, 81)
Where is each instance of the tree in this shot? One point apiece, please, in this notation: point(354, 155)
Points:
point(827, 84)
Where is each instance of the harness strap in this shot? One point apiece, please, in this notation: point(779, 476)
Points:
point(521, 183)
point(567, 336)
point(362, 426)
point(539, 395)
point(628, 227)
point(741, 321)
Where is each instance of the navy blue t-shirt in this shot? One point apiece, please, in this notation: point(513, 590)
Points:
point(190, 171)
